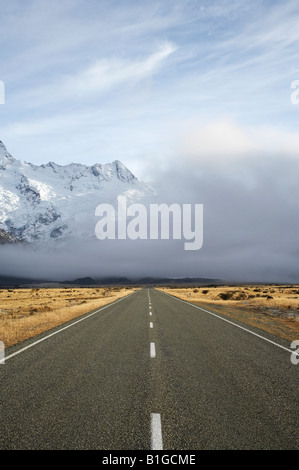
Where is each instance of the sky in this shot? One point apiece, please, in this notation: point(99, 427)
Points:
point(193, 96)
point(96, 81)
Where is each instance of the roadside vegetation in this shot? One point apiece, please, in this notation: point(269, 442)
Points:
point(27, 312)
point(273, 308)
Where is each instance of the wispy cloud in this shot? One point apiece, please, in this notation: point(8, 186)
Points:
point(101, 76)
point(105, 74)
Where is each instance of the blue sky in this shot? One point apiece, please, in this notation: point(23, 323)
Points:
point(148, 83)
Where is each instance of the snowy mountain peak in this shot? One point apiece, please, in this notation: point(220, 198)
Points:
point(49, 202)
point(106, 171)
point(122, 172)
point(113, 170)
point(5, 157)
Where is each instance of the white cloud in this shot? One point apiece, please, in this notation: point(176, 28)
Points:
point(215, 140)
point(107, 73)
point(225, 141)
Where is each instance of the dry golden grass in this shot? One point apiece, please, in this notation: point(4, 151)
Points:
point(273, 308)
point(27, 312)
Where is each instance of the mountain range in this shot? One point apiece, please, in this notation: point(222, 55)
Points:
point(50, 203)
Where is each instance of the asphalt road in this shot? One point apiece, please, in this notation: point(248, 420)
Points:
point(150, 372)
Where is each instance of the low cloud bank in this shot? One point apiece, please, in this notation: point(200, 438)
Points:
point(251, 228)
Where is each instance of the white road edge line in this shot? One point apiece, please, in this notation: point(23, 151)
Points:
point(232, 323)
point(65, 328)
point(153, 350)
point(156, 432)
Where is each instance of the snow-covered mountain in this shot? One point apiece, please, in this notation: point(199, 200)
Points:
point(47, 203)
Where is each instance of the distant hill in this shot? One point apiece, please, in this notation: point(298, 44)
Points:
point(89, 281)
point(84, 281)
point(184, 280)
point(7, 281)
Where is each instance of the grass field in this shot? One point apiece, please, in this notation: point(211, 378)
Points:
point(27, 312)
point(273, 308)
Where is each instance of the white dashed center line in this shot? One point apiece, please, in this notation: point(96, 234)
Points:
point(156, 432)
point(153, 350)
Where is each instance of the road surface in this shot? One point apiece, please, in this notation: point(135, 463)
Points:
point(150, 372)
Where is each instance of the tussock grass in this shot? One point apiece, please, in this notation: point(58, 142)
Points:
point(274, 308)
point(283, 297)
point(25, 313)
